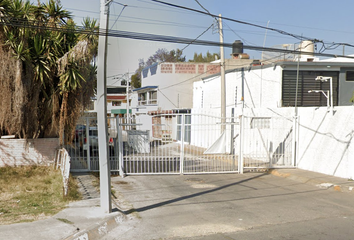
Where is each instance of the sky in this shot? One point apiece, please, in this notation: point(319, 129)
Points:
point(326, 20)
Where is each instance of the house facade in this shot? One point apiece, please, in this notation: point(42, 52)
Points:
point(289, 90)
point(274, 85)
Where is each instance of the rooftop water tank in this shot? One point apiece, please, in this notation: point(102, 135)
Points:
point(237, 47)
point(308, 47)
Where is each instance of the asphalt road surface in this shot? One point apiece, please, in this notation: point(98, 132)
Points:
point(230, 206)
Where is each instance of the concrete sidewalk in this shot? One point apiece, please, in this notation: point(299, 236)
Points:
point(81, 220)
point(85, 219)
point(316, 179)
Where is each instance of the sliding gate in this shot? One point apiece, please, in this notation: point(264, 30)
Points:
point(177, 144)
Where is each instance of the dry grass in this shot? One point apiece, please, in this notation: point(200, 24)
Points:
point(30, 193)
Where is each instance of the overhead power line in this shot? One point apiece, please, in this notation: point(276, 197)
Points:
point(234, 20)
point(151, 37)
point(299, 37)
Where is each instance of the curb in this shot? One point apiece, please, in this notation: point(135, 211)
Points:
point(97, 231)
point(314, 181)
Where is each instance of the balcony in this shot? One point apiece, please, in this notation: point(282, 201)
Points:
point(147, 102)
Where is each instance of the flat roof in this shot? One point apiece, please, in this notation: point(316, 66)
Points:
point(145, 88)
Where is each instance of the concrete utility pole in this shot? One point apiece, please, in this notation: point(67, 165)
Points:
point(127, 95)
point(105, 170)
point(222, 74)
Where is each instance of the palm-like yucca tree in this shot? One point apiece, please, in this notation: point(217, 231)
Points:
point(57, 16)
point(50, 67)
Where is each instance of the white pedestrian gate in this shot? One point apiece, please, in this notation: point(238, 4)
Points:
point(267, 142)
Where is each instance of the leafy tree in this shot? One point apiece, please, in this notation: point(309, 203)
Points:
point(43, 71)
point(206, 58)
point(161, 55)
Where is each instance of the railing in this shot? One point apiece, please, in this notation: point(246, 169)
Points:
point(148, 102)
point(62, 161)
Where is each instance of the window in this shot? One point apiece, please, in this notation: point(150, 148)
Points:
point(142, 99)
point(116, 103)
point(307, 82)
point(260, 123)
point(349, 76)
point(153, 97)
point(187, 127)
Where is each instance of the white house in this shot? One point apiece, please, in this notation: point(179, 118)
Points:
point(168, 87)
point(259, 92)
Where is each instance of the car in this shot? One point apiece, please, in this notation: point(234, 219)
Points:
point(93, 141)
point(79, 131)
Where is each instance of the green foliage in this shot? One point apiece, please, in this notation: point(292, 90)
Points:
point(45, 65)
point(206, 58)
point(70, 80)
point(136, 80)
point(161, 55)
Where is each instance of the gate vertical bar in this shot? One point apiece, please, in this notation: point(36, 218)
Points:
point(232, 137)
point(294, 141)
point(88, 153)
point(120, 147)
point(182, 145)
point(241, 160)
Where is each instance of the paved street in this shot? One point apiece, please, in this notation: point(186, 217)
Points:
point(230, 206)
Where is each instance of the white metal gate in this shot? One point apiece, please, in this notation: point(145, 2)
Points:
point(180, 143)
point(267, 142)
point(185, 143)
point(83, 150)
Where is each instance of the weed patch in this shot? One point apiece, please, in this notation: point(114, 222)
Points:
point(30, 193)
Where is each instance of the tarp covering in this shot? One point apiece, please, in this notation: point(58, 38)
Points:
point(219, 146)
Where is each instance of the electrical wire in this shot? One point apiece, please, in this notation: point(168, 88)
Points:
point(300, 37)
point(167, 98)
point(234, 20)
point(197, 37)
point(124, 6)
point(149, 37)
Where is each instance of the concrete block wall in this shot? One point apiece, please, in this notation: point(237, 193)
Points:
point(16, 152)
point(324, 141)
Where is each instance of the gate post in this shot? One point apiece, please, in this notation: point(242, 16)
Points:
point(233, 152)
point(120, 147)
point(295, 140)
point(88, 153)
point(181, 163)
point(240, 159)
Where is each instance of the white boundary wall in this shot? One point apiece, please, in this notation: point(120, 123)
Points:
point(324, 141)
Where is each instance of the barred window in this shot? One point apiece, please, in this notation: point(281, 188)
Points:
point(260, 123)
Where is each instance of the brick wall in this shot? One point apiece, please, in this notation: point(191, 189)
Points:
point(201, 68)
point(166, 68)
point(14, 152)
point(213, 69)
point(185, 68)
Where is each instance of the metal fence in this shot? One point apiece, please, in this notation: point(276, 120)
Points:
point(177, 144)
point(267, 142)
point(185, 143)
point(84, 149)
